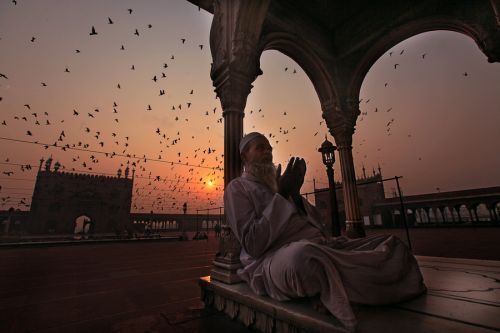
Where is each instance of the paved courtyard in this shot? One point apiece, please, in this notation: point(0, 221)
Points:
point(152, 286)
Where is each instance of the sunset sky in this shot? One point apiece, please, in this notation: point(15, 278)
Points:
point(444, 130)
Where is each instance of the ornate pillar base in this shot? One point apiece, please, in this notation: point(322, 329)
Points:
point(354, 229)
point(227, 259)
point(225, 271)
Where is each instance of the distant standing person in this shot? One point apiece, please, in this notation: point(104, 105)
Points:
point(217, 230)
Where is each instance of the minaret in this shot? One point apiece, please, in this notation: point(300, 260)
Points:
point(57, 166)
point(379, 171)
point(364, 171)
point(48, 163)
point(127, 169)
point(119, 173)
point(40, 166)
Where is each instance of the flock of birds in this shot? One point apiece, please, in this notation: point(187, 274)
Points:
point(200, 183)
point(189, 176)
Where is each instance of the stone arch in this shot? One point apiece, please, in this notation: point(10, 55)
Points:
point(414, 28)
point(305, 56)
point(496, 209)
point(482, 212)
point(418, 216)
point(448, 214)
point(83, 224)
point(464, 213)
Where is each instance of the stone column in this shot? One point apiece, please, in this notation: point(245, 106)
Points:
point(442, 211)
point(234, 37)
point(232, 88)
point(457, 208)
point(341, 122)
point(492, 216)
point(452, 212)
point(474, 210)
point(469, 208)
point(427, 215)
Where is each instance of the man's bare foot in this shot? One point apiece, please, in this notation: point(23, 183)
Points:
point(318, 305)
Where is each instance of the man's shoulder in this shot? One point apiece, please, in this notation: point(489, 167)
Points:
point(235, 182)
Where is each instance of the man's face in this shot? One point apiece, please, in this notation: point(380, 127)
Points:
point(259, 151)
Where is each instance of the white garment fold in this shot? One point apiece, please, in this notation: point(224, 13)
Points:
point(287, 255)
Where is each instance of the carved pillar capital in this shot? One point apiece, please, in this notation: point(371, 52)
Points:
point(341, 120)
point(232, 87)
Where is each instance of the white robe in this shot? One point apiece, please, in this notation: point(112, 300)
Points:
point(287, 255)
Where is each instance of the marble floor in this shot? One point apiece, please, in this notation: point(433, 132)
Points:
point(132, 287)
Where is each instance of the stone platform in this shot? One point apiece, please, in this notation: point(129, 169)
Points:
point(463, 296)
point(153, 286)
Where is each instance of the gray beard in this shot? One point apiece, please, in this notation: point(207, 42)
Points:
point(265, 173)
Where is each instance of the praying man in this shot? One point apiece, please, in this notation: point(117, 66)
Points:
point(286, 252)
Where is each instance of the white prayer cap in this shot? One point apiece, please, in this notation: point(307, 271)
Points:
point(249, 138)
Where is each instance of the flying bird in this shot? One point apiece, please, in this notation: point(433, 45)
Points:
point(4, 76)
point(93, 32)
point(183, 40)
point(110, 21)
point(130, 10)
point(136, 32)
point(33, 39)
point(395, 66)
point(201, 46)
point(423, 55)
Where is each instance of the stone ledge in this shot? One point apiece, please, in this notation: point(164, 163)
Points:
point(85, 242)
point(263, 313)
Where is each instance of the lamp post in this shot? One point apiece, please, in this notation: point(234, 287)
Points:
point(327, 151)
point(184, 209)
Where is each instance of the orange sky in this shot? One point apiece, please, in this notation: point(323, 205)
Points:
point(444, 133)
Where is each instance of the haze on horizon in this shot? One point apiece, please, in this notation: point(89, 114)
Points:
point(433, 119)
